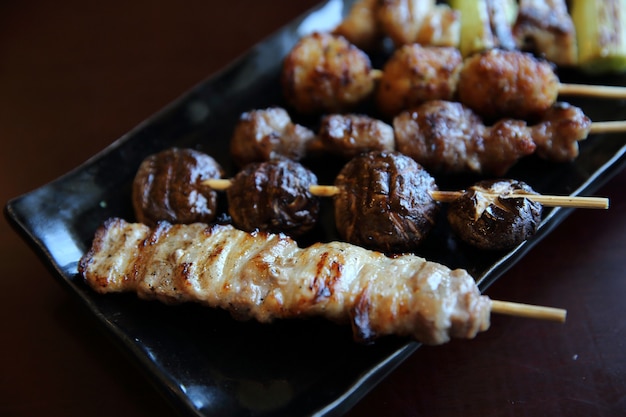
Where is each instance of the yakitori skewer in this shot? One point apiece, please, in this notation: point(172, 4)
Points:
point(268, 277)
point(448, 196)
point(495, 83)
point(444, 136)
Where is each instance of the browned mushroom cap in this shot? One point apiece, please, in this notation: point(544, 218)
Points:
point(273, 196)
point(384, 202)
point(168, 186)
point(495, 223)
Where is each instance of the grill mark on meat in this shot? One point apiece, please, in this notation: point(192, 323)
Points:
point(267, 276)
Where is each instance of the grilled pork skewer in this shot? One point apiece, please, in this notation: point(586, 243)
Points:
point(267, 277)
point(447, 136)
point(442, 135)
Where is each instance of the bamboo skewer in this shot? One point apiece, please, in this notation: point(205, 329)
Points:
point(601, 91)
point(528, 310)
point(618, 126)
point(448, 196)
point(546, 200)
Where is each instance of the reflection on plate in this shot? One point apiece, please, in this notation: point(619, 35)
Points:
point(205, 362)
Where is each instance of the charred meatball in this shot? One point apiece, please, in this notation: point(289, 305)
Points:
point(384, 202)
point(500, 83)
point(495, 222)
point(261, 135)
point(415, 74)
point(168, 186)
point(326, 73)
point(273, 196)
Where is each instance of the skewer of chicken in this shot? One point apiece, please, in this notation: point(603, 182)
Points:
point(494, 83)
point(267, 277)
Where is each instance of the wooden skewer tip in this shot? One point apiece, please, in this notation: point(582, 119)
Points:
point(528, 310)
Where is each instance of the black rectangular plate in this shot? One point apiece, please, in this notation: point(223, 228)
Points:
point(204, 361)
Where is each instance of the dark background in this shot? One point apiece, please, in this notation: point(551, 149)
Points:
point(74, 77)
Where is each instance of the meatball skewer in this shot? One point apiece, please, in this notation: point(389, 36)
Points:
point(495, 83)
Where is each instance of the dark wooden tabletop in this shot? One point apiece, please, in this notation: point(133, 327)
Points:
point(75, 76)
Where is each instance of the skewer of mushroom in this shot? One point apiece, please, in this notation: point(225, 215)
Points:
point(382, 200)
point(388, 202)
point(268, 277)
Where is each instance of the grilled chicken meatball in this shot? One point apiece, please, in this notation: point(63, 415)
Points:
point(499, 83)
point(360, 27)
point(348, 135)
point(419, 21)
point(168, 186)
point(261, 135)
point(448, 137)
point(273, 196)
point(384, 202)
point(495, 223)
point(558, 132)
point(415, 74)
point(326, 73)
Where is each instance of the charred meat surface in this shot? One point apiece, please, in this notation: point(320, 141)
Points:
point(499, 83)
point(495, 222)
point(168, 186)
point(326, 73)
point(415, 74)
point(267, 277)
point(348, 135)
point(426, 22)
point(448, 137)
point(273, 196)
point(384, 202)
point(264, 134)
point(360, 27)
point(558, 132)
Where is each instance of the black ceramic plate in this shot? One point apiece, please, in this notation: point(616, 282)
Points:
point(205, 362)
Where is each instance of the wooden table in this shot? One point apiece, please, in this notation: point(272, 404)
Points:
point(74, 76)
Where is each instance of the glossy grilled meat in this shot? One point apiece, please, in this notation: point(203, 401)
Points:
point(419, 21)
point(448, 137)
point(348, 135)
point(495, 223)
point(168, 186)
point(266, 277)
point(415, 74)
point(499, 83)
point(546, 28)
point(273, 196)
point(558, 132)
point(324, 73)
point(384, 202)
point(263, 134)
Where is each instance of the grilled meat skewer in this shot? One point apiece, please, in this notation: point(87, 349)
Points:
point(447, 136)
point(266, 277)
